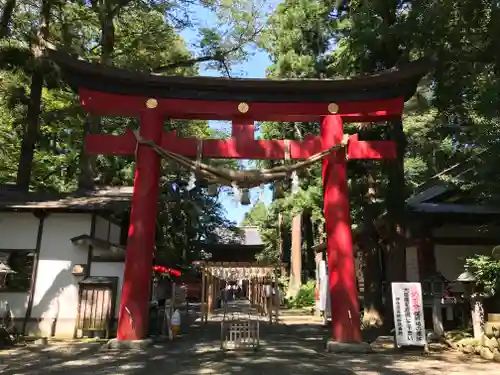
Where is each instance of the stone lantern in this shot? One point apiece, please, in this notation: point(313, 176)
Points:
point(468, 281)
point(433, 292)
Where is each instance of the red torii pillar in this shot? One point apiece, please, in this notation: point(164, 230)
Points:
point(134, 307)
point(340, 255)
point(133, 318)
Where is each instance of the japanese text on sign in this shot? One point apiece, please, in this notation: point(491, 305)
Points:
point(408, 314)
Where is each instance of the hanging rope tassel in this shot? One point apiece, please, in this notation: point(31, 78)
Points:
point(192, 182)
point(236, 192)
point(295, 182)
point(262, 190)
point(192, 178)
point(245, 197)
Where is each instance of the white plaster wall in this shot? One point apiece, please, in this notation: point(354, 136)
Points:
point(101, 228)
point(105, 229)
point(56, 290)
point(412, 271)
point(450, 259)
point(114, 233)
point(110, 269)
point(18, 230)
point(18, 303)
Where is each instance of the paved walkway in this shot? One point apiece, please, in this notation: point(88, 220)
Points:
point(286, 350)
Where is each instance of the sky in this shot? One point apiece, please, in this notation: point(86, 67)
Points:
point(254, 67)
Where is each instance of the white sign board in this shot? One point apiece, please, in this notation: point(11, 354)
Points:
point(324, 292)
point(408, 314)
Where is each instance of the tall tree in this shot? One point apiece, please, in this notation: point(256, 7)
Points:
point(31, 133)
point(51, 145)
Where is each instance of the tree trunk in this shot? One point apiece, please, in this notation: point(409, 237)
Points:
point(280, 238)
point(31, 134)
point(309, 258)
point(370, 249)
point(296, 257)
point(92, 124)
point(395, 256)
point(6, 18)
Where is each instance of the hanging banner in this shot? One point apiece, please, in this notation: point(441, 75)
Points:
point(324, 300)
point(408, 314)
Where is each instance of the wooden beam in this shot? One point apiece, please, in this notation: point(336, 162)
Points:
point(235, 148)
point(109, 104)
point(467, 241)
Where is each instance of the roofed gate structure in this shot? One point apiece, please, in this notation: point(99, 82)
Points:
point(109, 91)
point(236, 261)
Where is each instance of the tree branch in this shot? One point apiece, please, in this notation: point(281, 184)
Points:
point(119, 6)
point(218, 56)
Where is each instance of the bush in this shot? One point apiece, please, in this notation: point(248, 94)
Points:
point(486, 270)
point(305, 296)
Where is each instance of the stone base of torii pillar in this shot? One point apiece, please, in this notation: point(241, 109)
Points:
point(114, 344)
point(348, 347)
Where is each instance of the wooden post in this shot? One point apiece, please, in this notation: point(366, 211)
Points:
point(216, 291)
point(259, 286)
point(296, 256)
point(210, 299)
point(263, 299)
point(249, 290)
point(269, 303)
point(203, 293)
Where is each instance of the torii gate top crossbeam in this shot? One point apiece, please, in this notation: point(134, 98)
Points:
point(111, 91)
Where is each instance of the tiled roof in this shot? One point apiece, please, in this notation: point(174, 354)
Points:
point(107, 198)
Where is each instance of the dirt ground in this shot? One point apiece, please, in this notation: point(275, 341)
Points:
point(285, 350)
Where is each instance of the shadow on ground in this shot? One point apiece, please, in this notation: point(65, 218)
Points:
point(289, 350)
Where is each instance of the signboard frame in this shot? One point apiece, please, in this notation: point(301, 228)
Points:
point(408, 308)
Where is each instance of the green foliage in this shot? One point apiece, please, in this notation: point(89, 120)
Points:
point(140, 36)
point(486, 270)
point(256, 215)
point(455, 107)
point(305, 296)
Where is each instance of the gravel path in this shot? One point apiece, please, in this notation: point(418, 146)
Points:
point(286, 350)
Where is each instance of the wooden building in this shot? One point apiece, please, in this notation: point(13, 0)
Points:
point(445, 226)
point(52, 243)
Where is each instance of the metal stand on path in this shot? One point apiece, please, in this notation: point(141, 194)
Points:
point(238, 330)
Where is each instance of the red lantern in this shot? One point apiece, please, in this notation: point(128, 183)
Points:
point(174, 272)
point(165, 270)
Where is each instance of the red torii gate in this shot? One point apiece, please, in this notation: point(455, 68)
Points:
point(114, 92)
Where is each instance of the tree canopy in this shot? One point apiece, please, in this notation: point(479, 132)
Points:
point(453, 116)
point(43, 126)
